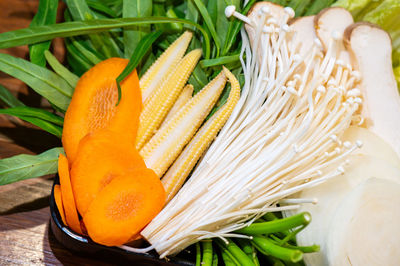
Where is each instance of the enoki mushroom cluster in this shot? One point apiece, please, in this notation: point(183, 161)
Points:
point(283, 136)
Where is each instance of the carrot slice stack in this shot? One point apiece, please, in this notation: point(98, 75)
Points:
point(68, 200)
point(124, 207)
point(59, 204)
point(100, 158)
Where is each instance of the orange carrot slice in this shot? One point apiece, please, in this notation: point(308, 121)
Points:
point(59, 204)
point(93, 105)
point(124, 207)
point(71, 214)
point(101, 157)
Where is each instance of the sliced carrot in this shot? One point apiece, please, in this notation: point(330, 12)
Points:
point(101, 157)
point(59, 204)
point(71, 214)
point(124, 207)
point(93, 105)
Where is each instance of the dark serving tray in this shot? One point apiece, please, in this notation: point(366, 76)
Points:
point(84, 245)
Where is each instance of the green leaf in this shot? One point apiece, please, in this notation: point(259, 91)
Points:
point(198, 79)
point(192, 13)
point(25, 166)
point(387, 16)
point(100, 7)
point(208, 21)
point(46, 126)
point(79, 63)
point(103, 43)
point(61, 70)
point(89, 55)
point(26, 111)
point(46, 15)
point(141, 49)
point(222, 23)
point(176, 27)
point(45, 82)
point(317, 6)
point(212, 9)
point(299, 6)
point(131, 9)
point(8, 98)
point(68, 29)
point(219, 61)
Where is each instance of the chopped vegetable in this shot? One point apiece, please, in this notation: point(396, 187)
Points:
point(100, 159)
point(372, 144)
point(93, 105)
point(124, 207)
point(371, 48)
point(59, 204)
point(331, 197)
point(358, 235)
point(68, 198)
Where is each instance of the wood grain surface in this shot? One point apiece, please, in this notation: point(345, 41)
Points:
point(25, 238)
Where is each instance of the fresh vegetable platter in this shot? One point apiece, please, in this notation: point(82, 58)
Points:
point(243, 132)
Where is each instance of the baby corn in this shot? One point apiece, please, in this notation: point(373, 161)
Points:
point(164, 65)
point(183, 98)
point(163, 148)
point(178, 172)
point(160, 102)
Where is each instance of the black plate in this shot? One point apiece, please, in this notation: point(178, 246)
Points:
point(84, 245)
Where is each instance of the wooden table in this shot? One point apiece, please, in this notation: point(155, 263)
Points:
point(25, 236)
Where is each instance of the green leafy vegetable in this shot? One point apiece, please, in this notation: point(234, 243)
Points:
point(43, 81)
point(103, 43)
point(299, 6)
point(8, 98)
point(131, 9)
point(317, 6)
point(78, 62)
point(46, 15)
point(46, 126)
point(220, 61)
point(89, 55)
point(25, 166)
point(358, 8)
point(68, 29)
point(208, 21)
point(141, 49)
point(61, 70)
point(100, 7)
point(397, 76)
point(26, 111)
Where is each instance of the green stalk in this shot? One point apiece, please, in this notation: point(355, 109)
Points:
point(267, 247)
point(249, 249)
point(198, 254)
point(279, 225)
point(207, 257)
point(236, 252)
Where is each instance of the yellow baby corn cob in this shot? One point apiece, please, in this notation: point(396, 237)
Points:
point(178, 172)
point(183, 98)
point(163, 148)
point(160, 102)
point(164, 65)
